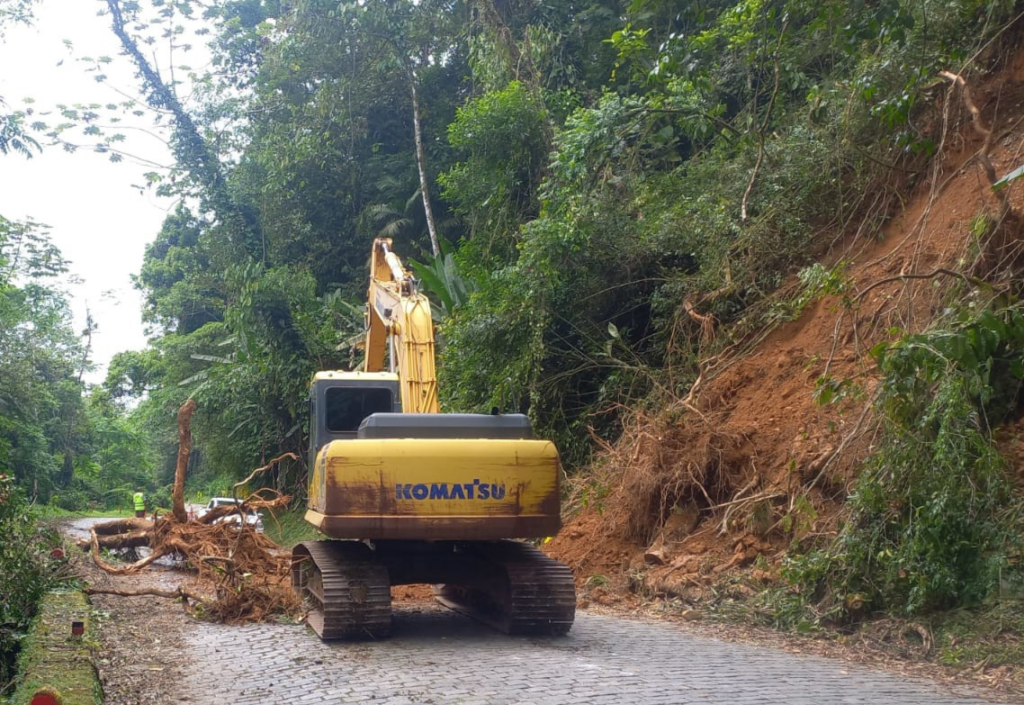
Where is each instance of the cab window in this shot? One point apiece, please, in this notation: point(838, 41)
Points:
point(346, 407)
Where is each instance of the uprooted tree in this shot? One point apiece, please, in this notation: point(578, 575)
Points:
point(246, 571)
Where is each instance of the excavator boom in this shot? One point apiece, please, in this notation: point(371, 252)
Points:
point(397, 312)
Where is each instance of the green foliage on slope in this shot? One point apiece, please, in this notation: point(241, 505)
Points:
point(934, 522)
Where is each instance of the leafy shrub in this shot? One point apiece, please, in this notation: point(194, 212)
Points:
point(24, 571)
point(71, 499)
point(161, 498)
point(932, 524)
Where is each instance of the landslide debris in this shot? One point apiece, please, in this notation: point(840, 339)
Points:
point(763, 451)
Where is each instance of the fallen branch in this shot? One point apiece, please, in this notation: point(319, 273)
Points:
point(175, 594)
point(252, 502)
point(930, 275)
point(253, 474)
point(155, 555)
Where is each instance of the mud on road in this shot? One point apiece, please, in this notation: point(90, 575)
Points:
point(143, 657)
point(152, 652)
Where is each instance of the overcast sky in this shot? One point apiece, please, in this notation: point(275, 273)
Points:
point(99, 221)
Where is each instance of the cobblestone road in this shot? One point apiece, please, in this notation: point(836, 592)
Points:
point(437, 656)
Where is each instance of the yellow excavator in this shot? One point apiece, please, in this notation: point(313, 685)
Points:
point(410, 495)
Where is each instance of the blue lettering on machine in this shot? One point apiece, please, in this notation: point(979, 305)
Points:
point(450, 490)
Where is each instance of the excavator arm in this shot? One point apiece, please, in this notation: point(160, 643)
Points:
point(399, 329)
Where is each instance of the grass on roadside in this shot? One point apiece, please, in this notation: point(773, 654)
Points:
point(288, 528)
point(52, 657)
point(991, 636)
point(47, 511)
point(983, 642)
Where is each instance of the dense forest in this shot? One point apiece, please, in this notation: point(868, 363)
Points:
point(598, 196)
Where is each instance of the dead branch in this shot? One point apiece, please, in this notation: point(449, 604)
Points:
point(985, 131)
point(268, 466)
point(253, 474)
point(930, 275)
point(706, 321)
point(695, 388)
point(179, 592)
point(979, 123)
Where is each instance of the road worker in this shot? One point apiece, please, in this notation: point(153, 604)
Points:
point(139, 500)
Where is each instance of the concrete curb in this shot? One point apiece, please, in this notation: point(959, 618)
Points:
point(55, 660)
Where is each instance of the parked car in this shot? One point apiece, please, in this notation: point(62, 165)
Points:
point(252, 517)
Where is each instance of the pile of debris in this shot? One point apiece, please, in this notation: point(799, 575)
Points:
point(246, 574)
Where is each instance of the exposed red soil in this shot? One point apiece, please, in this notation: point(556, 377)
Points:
point(412, 593)
point(726, 482)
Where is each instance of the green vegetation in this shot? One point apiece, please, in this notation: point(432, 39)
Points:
point(26, 572)
point(53, 658)
point(991, 634)
point(933, 522)
point(289, 527)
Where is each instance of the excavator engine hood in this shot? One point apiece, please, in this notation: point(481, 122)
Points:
point(386, 485)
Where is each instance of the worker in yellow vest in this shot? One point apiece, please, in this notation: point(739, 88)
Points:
point(139, 501)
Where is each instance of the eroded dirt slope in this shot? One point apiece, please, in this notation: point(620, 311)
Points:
point(723, 481)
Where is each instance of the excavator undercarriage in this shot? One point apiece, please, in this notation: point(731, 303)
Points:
point(510, 585)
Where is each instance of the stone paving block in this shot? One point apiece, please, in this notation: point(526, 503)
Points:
point(438, 657)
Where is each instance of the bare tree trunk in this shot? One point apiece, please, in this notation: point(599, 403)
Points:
point(190, 148)
point(68, 471)
point(184, 449)
point(421, 163)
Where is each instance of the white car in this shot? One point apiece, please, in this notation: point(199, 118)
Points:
point(252, 517)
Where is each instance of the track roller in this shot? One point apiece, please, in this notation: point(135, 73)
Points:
point(522, 592)
point(349, 593)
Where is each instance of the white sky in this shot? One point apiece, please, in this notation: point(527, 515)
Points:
point(99, 221)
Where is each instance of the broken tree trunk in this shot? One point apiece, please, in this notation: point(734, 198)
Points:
point(184, 450)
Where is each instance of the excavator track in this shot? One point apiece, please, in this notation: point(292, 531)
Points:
point(348, 592)
point(525, 592)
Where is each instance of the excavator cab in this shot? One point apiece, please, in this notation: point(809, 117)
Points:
point(340, 401)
